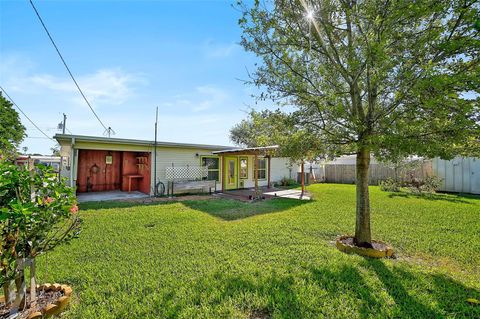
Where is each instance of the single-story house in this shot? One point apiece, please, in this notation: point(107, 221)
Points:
point(93, 164)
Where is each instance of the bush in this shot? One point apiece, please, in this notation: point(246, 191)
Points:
point(428, 185)
point(288, 182)
point(389, 185)
point(37, 213)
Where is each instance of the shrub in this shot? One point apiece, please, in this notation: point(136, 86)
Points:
point(37, 213)
point(427, 185)
point(288, 182)
point(389, 185)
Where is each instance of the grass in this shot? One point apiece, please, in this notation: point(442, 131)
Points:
point(273, 259)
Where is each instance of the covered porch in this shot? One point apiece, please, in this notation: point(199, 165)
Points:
point(232, 163)
point(235, 164)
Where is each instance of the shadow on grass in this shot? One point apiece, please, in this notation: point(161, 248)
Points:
point(449, 296)
point(276, 295)
point(340, 293)
point(115, 204)
point(453, 198)
point(228, 209)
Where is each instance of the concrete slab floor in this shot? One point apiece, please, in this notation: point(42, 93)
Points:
point(289, 193)
point(111, 195)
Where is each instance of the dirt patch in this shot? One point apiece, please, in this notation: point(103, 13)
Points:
point(259, 314)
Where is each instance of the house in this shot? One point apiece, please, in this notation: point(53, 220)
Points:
point(52, 161)
point(95, 164)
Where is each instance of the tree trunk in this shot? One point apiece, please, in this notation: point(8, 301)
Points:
point(9, 291)
point(33, 283)
point(363, 236)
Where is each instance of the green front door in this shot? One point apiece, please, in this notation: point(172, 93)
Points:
point(230, 172)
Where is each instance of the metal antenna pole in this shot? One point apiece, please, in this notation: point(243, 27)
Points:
point(155, 156)
point(64, 122)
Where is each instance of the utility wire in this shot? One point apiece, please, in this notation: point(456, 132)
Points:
point(65, 64)
point(18, 107)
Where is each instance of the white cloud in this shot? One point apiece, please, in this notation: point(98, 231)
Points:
point(201, 99)
point(103, 87)
point(219, 50)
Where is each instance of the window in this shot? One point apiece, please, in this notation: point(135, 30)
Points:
point(243, 167)
point(262, 168)
point(213, 167)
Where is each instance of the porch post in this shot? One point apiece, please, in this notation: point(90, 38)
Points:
point(268, 172)
point(221, 169)
point(255, 172)
point(302, 178)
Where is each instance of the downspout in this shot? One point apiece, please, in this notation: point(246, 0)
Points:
point(155, 157)
point(72, 161)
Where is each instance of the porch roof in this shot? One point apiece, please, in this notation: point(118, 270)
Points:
point(262, 150)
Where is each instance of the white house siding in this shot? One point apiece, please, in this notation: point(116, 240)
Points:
point(281, 167)
point(179, 157)
point(462, 174)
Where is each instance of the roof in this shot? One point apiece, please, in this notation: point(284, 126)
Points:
point(110, 140)
point(262, 150)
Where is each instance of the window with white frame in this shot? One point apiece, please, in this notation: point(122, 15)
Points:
point(213, 167)
point(262, 168)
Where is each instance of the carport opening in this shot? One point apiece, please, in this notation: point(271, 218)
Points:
point(103, 170)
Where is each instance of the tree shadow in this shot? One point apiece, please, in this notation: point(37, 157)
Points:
point(448, 296)
point(230, 210)
point(345, 292)
point(453, 198)
point(275, 294)
point(348, 279)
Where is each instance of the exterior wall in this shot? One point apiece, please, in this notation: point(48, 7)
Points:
point(281, 167)
point(179, 157)
point(461, 175)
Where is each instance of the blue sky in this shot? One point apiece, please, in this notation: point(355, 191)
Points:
point(128, 57)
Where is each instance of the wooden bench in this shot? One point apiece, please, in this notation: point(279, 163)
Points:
point(186, 186)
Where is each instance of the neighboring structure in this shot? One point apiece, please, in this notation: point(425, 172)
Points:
point(102, 164)
point(460, 175)
point(52, 161)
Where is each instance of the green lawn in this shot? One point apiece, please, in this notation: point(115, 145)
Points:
point(274, 259)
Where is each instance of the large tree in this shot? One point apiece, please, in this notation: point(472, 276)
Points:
point(12, 132)
point(383, 77)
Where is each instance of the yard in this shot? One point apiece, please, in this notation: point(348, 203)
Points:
point(274, 259)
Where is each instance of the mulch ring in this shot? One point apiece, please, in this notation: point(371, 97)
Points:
point(379, 249)
point(51, 299)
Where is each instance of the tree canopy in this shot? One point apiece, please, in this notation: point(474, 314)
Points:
point(12, 132)
point(382, 77)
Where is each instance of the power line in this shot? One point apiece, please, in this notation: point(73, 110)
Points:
point(18, 107)
point(65, 64)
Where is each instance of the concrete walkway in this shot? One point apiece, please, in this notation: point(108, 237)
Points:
point(111, 195)
point(267, 193)
point(289, 193)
